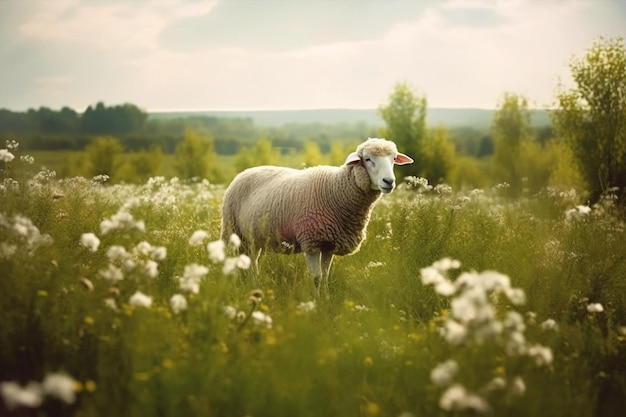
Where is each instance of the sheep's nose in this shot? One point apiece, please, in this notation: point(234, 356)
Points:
point(388, 181)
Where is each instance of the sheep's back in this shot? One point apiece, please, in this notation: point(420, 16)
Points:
point(289, 210)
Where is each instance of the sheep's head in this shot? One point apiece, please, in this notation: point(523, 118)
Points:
point(378, 157)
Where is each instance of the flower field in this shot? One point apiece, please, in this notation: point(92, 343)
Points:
point(120, 300)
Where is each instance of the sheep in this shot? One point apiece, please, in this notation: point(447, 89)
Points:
point(322, 211)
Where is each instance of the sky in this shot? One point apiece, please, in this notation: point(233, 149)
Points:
point(292, 54)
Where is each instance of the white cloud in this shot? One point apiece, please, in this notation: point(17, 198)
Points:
point(165, 54)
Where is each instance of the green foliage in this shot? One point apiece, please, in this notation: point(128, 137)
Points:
point(312, 154)
point(102, 156)
point(439, 156)
point(138, 167)
point(510, 130)
point(115, 120)
point(405, 117)
point(368, 350)
point(592, 116)
point(339, 151)
point(195, 157)
point(263, 153)
point(471, 173)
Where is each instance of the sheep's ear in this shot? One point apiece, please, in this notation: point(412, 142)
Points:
point(353, 159)
point(402, 159)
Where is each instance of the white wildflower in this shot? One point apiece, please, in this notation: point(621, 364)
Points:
point(143, 248)
point(197, 238)
point(517, 296)
point(514, 321)
point(195, 271)
point(307, 307)
point(549, 324)
point(496, 384)
point(494, 281)
point(518, 386)
point(90, 241)
point(235, 241)
point(375, 264)
point(7, 250)
point(443, 374)
point(60, 386)
point(541, 354)
point(14, 395)
point(457, 398)
point(516, 344)
point(230, 312)
point(445, 288)
point(111, 273)
point(29, 159)
point(110, 303)
point(6, 156)
point(189, 285)
point(178, 303)
point(595, 308)
point(151, 268)
point(432, 276)
point(454, 332)
point(243, 261)
point(577, 213)
point(262, 319)
point(445, 264)
point(230, 265)
point(116, 253)
point(140, 299)
point(216, 250)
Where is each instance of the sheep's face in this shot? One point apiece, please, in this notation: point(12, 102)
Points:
point(378, 157)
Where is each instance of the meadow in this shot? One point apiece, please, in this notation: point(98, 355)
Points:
point(117, 300)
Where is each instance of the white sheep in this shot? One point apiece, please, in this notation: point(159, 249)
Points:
point(322, 211)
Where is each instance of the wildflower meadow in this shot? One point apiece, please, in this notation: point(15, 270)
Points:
point(120, 300)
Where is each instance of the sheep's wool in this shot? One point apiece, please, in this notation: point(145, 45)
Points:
point(289, 211)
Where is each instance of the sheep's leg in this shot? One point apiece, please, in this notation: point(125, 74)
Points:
point(327, 260)
point(313, 260)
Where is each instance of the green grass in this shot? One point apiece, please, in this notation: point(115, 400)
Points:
point(367, 350)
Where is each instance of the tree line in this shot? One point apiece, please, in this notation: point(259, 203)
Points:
point(585, 148)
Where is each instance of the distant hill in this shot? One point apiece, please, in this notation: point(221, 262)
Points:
point(477, 118)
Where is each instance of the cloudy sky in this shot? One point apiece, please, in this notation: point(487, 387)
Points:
point(291, 54)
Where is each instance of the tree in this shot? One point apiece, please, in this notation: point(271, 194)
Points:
point(102, 156)
point(263, 153)
point(439, 156)
point(195, 157)
point(312, 154)
point(405, 117)
point(511, 126)
point(140, 166)
point(591, 117)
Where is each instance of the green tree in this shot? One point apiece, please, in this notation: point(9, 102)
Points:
point(339, 151)
point(312, 154)
point(439, 156)
point(195, 157)
point(591, 117)
point(405, 118)
point(510, 128)
point(140, 166)
point(102, 156)
point(263, 153)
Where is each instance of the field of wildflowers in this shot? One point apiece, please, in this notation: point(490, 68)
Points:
point(119, 300)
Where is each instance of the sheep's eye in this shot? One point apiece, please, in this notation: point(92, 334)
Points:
point(368, 159)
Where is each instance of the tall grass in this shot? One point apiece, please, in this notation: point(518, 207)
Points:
point(370, 349)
